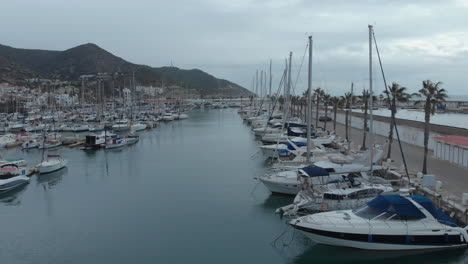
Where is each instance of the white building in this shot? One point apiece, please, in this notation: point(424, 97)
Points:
point(453, 149)
point(127, 96)
point(150, 90)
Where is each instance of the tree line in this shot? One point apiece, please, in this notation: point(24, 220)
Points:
point(429, 97)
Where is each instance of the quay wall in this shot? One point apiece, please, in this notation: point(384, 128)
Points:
point(411, 132)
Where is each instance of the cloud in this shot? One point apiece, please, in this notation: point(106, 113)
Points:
point(232, 39)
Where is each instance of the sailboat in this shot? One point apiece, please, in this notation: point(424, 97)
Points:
point(51, 164)
point(332, 197)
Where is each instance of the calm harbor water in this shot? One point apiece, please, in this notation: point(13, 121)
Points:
point(184, 194)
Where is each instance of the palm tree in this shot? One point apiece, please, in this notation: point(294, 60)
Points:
point(433, 96)
point(317, 95)
point(347, 104)
point(326, 100)
point(335, 101)
point(281, 102)
point(395, 94)
point(365, 99)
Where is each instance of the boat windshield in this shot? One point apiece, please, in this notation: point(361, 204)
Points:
point(374, 214)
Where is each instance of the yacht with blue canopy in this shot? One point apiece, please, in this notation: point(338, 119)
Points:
point(292, 181)
point(388, 222)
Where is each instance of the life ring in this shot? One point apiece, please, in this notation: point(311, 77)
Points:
point(324, 207)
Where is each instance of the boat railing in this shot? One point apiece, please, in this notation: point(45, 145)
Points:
point(428, 224)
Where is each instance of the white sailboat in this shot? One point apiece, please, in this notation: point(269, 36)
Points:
point(51, 164)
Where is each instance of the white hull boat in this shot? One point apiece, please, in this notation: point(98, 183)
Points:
point(50, 144)
point(183, 116)
point(53, 163)
point(168, 117)
point(138, 127)
point(29, 144)
point(8, 183)
point(387, 223)
point(114, 143)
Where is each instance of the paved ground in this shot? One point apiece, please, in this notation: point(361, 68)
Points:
point(454, 178)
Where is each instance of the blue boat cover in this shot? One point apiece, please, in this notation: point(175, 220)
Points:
point(314, 171)
point(396, 204)
point(438, 214)
point(299, 144)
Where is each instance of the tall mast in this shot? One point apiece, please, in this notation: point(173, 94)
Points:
point(350, 110)
point(256, 88)
point(309, 88)
point(371, 127)
point(269, 92)
point(289, 81)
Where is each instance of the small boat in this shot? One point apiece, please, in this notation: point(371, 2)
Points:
point(94, 142)
point(10, 182)
point(16, 162)
point(388, 222)
point(168, 117)
point(121, 125)
point(138, 127)
point(50, 143)
point(12, 169)
point(132, 139)
point(52, 163)
point(14, 128)
point(97, 127)
point(29, 144)
point(183, 116)
point(115, 142)
point(80, 128)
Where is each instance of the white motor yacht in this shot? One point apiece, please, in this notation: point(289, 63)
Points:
point(388, 222)
point(121, 125)
point(138, 127)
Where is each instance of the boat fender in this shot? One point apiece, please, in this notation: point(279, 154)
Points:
point(324, 207)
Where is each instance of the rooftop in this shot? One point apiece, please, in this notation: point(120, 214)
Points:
point(454, 140)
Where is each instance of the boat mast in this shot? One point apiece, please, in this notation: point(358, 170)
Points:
point(350, 111)
point(371, 127)
point(269, 84)
point(261, 84)
point(256, 89)
point(309, 88)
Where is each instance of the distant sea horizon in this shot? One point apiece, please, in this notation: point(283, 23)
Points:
point(457, 97)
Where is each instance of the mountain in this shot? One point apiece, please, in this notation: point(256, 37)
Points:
point(90, 59)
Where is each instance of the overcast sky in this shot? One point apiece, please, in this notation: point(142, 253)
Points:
point(418, 39)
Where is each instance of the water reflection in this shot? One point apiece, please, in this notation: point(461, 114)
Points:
point(50, 180)
point(276, 200)
point(330, 254)
point(12, 197)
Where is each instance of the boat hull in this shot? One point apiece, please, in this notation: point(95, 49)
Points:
point(375, 246)
point(281, 188)
point(52, 168)
point(13, 183)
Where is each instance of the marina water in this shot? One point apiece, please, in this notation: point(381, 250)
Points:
point(185, 193)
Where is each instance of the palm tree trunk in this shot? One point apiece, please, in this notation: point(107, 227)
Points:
point(326, 115)
point(390, 133)
point(363, 147)
point(427, 119)
point(346, 124)
point(335, 108)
